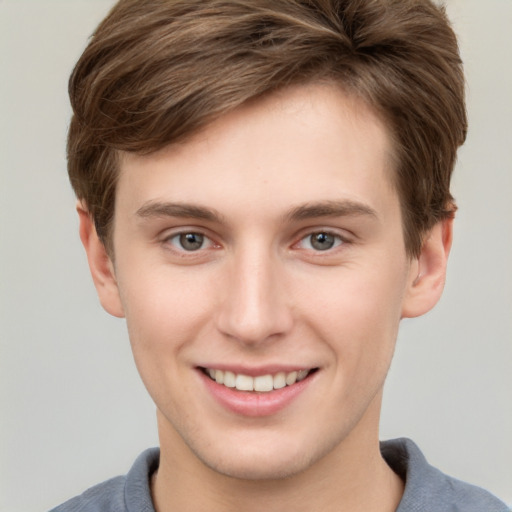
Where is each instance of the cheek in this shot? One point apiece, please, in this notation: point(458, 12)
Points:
point(358, 311)
point(163, 313)
point(164, 317)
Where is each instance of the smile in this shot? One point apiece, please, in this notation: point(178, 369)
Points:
point(261, 383)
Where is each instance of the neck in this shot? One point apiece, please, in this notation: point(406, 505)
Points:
point(352, 477)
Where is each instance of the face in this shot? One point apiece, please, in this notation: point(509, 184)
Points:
point(262, 272)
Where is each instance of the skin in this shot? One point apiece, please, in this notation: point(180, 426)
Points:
point(257, 294)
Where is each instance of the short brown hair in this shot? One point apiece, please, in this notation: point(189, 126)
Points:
point(157, 71)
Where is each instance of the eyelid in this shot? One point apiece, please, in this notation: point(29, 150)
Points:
point(206, 241)
point(305, 234)
point(170, 234)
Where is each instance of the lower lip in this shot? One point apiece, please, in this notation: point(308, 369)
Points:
point(252, 403)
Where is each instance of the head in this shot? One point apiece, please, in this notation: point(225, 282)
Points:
point(155, 73)
point(268, 183)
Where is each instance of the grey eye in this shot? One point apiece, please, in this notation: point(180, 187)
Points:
point(322, 241)
point(191, 241)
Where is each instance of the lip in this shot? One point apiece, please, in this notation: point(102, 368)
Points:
point(256, 371)
point(252, 403)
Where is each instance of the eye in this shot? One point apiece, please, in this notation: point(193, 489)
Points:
point(321, 241)
point(190, 241)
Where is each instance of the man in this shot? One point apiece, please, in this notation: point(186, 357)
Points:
point(263, 193)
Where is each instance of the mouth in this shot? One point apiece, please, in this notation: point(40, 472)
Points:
point(261, 383)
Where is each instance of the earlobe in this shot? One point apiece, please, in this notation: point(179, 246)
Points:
point(428, 271)
point(100, 264)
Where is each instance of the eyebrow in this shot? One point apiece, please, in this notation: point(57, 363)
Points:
point(164, 209)
point(343, 208)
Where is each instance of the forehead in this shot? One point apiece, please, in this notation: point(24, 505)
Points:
point(297, 145)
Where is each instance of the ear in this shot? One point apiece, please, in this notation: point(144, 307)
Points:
point(100, 264)
point(428, 271)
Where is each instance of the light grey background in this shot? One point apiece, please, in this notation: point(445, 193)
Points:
point(72, 409)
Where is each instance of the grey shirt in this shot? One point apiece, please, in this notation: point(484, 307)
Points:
point(426, 488)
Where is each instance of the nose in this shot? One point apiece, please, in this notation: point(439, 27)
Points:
point(254, 305)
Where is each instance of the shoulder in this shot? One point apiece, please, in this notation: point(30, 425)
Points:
point(105, 497)
point(427, 488)
point(129, 493)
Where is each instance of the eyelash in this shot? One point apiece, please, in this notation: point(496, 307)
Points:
point(177, 240)
point(180, 239)
point(336, 239)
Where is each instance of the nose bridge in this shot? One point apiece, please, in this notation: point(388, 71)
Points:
point(254, 306)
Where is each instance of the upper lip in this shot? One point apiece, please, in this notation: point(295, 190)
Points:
point(255, 371)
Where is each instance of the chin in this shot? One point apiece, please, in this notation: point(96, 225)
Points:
point(261, 468)
point(257, 462)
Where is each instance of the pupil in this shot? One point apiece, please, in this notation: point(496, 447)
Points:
point(191, 241)
point(322, 241)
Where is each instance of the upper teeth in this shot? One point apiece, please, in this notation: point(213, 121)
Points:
point(261, 383)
